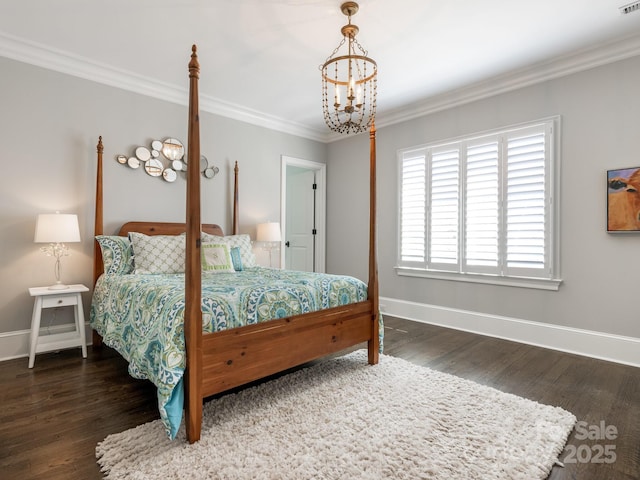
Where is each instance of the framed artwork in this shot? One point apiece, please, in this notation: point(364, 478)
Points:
point(623, 200)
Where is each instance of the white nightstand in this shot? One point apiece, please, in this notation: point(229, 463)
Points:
point(51, 298)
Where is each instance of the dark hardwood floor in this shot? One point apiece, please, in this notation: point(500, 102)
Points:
point(52, 417)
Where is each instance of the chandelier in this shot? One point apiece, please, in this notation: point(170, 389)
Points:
point(349, 81)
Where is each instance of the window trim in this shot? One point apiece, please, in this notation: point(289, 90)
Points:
point(525, 282)
point(551, 282)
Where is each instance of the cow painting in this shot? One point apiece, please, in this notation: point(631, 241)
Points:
point(623, 200)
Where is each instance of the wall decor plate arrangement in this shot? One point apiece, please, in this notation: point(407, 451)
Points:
point(623, 200)
point(165, 159)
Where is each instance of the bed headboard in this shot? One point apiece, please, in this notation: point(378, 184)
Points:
point(165, 228)
point(148, 228)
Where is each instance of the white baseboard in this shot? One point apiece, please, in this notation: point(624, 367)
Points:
point(604, 346)
point(16, 344)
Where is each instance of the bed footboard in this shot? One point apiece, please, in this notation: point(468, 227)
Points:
point(238, 356)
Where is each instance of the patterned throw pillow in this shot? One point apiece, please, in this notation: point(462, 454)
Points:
point(158, 253)
point(117, 255)
point(216, 257)
point(243, 242)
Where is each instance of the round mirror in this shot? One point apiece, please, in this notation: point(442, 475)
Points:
point(177, 165)
point(156, 145)
point(210, 172)
point(169, 175)
point(172, 149)
point(133, 162)
point(121, 159)
point(143, 154)
point(204, 163)
point(154, 167)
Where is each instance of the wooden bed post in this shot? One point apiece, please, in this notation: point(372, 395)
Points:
point(98, 229)
point(193, 268)
point(235, 200)
point(374, 343)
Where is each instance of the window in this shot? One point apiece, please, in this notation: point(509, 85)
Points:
point(482, 208)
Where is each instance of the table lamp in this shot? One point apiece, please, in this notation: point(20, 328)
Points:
point(56, 229)
point(269, 233)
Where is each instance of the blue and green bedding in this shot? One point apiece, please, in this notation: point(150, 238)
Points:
point(141, 316)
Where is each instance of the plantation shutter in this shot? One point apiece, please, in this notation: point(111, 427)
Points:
point(482, 206)
point(413, 208)
point(444, 208)
point(526, 203)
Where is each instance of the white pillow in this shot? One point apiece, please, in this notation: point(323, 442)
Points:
point(158, 253)
point(241, 241)
point(216, 257)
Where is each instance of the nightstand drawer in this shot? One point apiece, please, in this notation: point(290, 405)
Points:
point(60, 301)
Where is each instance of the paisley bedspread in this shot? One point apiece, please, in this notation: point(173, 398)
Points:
point(141, 316)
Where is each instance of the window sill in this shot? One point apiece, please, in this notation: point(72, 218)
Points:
point(523, 282)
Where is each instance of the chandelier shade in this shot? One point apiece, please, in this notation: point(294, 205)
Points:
point(349, 82)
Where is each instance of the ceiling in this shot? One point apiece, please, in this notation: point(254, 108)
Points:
point(259, 58)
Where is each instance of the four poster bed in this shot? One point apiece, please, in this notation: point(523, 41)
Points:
point(208, 344)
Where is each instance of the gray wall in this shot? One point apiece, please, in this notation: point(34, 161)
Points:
point(49, 124)
point(49, 127)
point(600, 111)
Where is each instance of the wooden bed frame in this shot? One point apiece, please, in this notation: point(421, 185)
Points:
point(216, 362)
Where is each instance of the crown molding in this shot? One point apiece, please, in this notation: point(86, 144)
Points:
point(559, 67)
point(261, 119)
point(50, 58)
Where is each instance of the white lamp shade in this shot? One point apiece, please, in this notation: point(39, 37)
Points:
point(57, 228)
point(268, 232)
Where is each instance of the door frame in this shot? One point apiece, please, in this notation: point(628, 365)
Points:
point(321, 207)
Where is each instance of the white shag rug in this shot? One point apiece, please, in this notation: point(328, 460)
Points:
point(344, 419)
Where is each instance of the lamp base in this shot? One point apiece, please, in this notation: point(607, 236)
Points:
point(59, 286)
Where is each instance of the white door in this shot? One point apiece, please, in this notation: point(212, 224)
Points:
point(303, 210)
point(299, 237)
